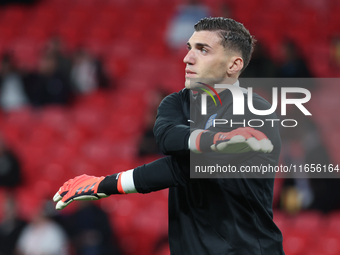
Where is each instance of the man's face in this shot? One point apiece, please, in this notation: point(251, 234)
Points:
point(207, 58)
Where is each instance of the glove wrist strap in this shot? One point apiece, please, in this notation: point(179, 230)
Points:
point(109, 185)
point(207, 139)
point(121, 183)
point(201, 140)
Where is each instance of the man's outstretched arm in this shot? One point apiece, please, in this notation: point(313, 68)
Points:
point(160, 174)
point(163, 173)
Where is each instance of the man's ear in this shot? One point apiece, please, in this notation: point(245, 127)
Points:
point(235, 65)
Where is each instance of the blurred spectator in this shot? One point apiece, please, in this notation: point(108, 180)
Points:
point(48, 85)
point(12, 93)
point(293, 66)
point(303, 145)
point(64, 63)
point(10, 172)
point(42, 236)
point(335, 53)
point(323, 189)
point(261, 65)
point(181, 25)
point(90, 230)
point(10, 227)
point(297, 192)
point(87, 73)
point(148, 145)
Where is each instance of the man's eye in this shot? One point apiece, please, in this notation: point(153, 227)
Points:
point(204, 50)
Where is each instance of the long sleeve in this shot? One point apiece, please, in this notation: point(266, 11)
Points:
point(161, 174)
point(172, 131)
point(172, 127)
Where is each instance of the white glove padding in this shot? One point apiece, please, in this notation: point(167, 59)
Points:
point(242, 140)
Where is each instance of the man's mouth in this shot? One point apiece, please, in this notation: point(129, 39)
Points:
point(189, 73)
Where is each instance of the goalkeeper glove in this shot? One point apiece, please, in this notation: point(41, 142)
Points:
point(237, 141)
point(87, 187)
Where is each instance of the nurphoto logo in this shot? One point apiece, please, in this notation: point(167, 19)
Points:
point(238, 104)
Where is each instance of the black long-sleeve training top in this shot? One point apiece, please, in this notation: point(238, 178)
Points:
point(229, 216)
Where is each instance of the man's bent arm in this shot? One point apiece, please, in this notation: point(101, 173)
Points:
point(172, 127)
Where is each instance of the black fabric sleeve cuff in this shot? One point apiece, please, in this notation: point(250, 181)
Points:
point(109, 185)
point(207, 139)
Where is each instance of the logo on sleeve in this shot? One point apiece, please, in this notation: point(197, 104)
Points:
point(210, 121)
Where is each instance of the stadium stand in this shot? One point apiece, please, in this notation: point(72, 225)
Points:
point(98, 134)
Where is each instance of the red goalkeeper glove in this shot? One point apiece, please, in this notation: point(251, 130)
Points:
point(237, 141)
point(87, 187)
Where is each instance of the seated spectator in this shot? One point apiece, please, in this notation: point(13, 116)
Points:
point(181, 25)
point(10, 171)
point(10, 226)
point(261, 65)
point(64, 62)
point(293, 66)
point(87, 73)
point(12, 93)
point(303, 146)
point(48, 86)
point(42, 236)
point(148, 145)
point(91, 231)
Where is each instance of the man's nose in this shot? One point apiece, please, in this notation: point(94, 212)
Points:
point(189, 58)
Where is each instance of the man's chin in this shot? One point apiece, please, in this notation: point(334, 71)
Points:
point(187, 84)
point(192, 83)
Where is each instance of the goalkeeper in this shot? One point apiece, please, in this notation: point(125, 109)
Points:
point(206, 216)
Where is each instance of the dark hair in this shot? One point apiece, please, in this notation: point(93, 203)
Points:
point(233, 34)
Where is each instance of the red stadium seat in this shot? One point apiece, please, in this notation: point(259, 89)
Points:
point(7, 32)
point(333, 222)
point(283, 221)
point(26, 52)
point(97, 100)
point(88, 117)
point(14, 15)
point(37, 30)
point(123, 48)
point(308, 222)
point(117, 67)
point(328, 244)
point(295, 243)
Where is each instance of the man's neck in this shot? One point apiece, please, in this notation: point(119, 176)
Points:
point(234, 82)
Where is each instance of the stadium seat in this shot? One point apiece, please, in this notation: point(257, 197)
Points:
point(26, 52)
point(282, 221)
point(38, 30)
point(116, 67)
point(308, 222)
point(14, 15)
point(295, 243)
point(88, 117)
point(8, 32)
point(333, 222)
point(328, 244)
point(123, 48)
